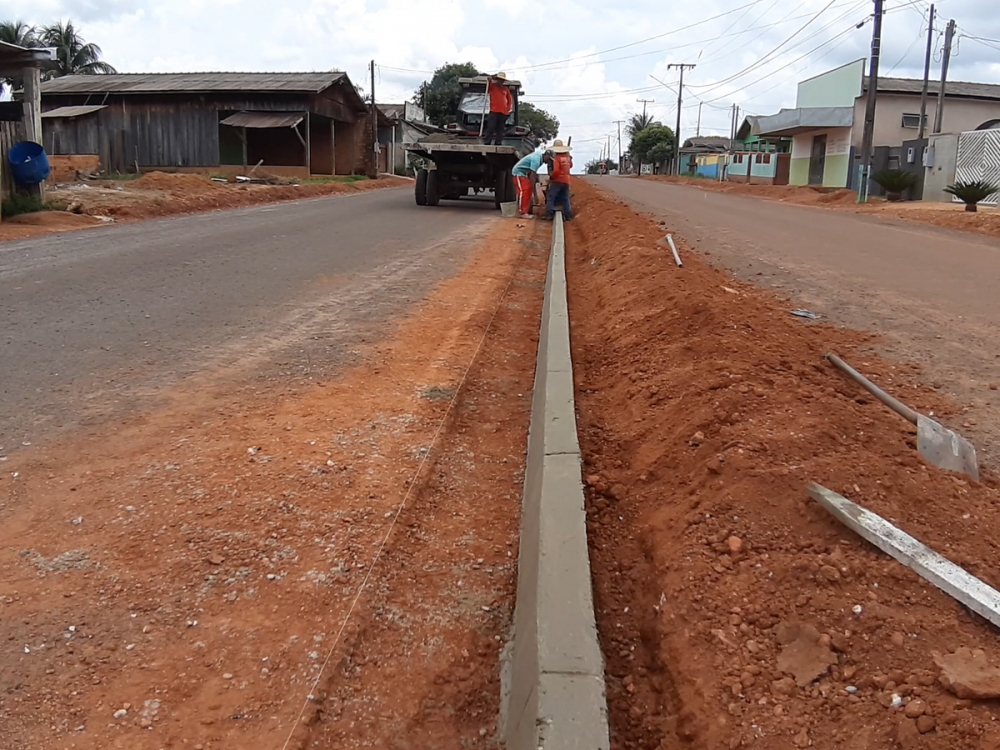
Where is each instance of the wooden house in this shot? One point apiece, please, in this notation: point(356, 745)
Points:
point(291, 124)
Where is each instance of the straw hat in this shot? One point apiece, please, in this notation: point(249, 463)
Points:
point(558, 147)
point(502, 76)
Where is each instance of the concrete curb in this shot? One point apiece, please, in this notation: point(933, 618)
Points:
point(555, 693)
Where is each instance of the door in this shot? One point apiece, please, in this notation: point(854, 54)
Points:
point(817, 160)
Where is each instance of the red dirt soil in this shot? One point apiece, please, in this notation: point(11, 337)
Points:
point(179, 580)
point(705, 409)
point(946, 215)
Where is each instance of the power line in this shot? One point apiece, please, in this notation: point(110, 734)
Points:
point(647, 39)
point(766, 57)
point(790, 63)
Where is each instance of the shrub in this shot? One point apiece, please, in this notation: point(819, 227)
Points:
point(21, 203)
point(895, 181)
point(972, 192)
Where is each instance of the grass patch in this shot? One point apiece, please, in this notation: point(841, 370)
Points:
point(348, 178)
point(23, 203)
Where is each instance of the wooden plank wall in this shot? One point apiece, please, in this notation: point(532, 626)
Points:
point(178, 131)
point(10, 133)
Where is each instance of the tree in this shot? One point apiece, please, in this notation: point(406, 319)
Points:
point(74, 56)
point(660, 153)
point(19, 33)
point(652, 137)
point(637, 123)
point(439, 96)
point(543, 126)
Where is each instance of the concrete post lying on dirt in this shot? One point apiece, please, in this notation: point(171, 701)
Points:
point(554, 695)
point(980, 597)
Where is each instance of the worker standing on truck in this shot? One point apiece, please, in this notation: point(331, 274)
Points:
point(501, 105)
point(560, 165)
point(525, 174)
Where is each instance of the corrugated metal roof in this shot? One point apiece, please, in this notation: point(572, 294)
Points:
point(67, 112)
point(177, 83)
point(952, 88)
point(264, 119)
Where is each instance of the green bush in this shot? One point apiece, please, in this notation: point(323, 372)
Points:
point(21, 203)
point(972, 192)
point(894, 181)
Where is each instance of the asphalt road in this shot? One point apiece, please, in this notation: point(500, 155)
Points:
point(929, 292)
point(93, 322)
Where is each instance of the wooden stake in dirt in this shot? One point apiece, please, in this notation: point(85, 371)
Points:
point(981, 598)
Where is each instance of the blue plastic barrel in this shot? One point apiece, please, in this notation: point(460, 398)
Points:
point(28, 163)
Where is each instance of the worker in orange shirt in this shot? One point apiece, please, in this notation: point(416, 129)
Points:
point(560, 163)
point(501, 105)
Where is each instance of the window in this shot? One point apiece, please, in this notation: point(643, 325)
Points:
point(913, 120)
point(767, 158)
point(893, 162)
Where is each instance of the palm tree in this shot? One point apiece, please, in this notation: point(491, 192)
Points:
point(74, 56)
point(637, 123)
point(19, 33)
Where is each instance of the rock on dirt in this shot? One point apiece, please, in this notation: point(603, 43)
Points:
point(968, 674)
point(804, 654)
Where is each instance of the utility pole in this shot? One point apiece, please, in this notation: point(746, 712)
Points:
point(644, 103)
point(733, 127)
point(619, 124)
point(697, 131)
point(373, 172)
point(927, 75)
point(949, 36)
point(869, 131)
point(680, 100)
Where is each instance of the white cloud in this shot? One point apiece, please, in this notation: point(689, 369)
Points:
point(587, 92)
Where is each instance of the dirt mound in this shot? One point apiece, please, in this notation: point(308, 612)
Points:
point(55, 220)
point(188, 183)
point(705, 409)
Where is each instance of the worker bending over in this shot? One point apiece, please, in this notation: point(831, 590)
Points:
point(525, 174)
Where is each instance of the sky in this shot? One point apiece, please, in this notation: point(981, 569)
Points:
point(587, 62)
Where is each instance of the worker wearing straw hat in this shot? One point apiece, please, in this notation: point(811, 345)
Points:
point(560, 164)
point(501, 104)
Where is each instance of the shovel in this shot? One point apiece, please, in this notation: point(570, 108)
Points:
point(940, 446)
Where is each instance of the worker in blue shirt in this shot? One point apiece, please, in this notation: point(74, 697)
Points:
point(525, 174)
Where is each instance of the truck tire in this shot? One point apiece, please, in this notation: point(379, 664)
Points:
point(504, 189)
point(432, 188)
point(420, 188)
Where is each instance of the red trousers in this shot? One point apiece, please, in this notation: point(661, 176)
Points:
point(523, 187)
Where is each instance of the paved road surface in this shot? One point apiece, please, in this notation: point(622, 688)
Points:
point(931, 292)
point(93, 321)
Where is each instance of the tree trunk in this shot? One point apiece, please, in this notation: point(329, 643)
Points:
point(971, 208)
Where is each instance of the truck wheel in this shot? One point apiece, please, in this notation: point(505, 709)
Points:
point(504, 188)
point(432, 188)
point(420, 188)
